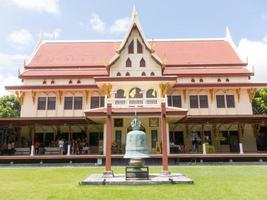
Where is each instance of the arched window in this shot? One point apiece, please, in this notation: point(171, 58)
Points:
point(44, 82)
point(135, 93)
point(78, 81)
point(118, 74)
point(131, 47)
point(192, 80)
point(143, 74)
point(70, 81)
point(152, 74)
point(219, 80)
point(120, 94)
point(52, 82)
point(127, 74)
point(201, 80)
point(227, 80)
point(139, 47)
point(151, 93)
point(128, 62)
point(142, 62)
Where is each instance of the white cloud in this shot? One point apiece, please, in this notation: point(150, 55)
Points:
point(10, 63)
point(20, 39)
point(49, 6)
point(7, 79)
point(97, 24)
point(52, 35)
point(11, 60)
point(120, 25)
point(256, 52)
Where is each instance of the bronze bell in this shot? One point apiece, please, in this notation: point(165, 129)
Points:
point(136, 146)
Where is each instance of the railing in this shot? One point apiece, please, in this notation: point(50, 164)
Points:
point(135, 102)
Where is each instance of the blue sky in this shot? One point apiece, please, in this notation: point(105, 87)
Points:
point(21, 22)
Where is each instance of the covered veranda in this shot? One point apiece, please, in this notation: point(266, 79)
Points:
point(40, 136)
point(256, 122)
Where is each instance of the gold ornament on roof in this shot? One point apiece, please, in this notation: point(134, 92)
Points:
point(251, 93)
point(33, 97)
point(165, 59)
point(153, 46)
point(164, 88)
point(20, 95)
point(107, 89)
point(106, 62)
point(238, 93)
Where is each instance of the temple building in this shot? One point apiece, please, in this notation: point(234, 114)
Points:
point(193, 97)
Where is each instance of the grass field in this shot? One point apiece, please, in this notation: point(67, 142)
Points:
point(211, 182)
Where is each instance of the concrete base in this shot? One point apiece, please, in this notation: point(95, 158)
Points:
point(108, 174)
point(119, 179)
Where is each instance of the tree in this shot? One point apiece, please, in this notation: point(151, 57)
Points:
point(9, 106)
point(259, 103)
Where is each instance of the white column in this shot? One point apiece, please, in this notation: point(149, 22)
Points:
point(241, 148)
point(68, 153)
point(32, 150)
point(204, 148)
point(104, 138)
point(168, 138)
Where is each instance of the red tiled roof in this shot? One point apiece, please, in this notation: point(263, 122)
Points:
point(77, 54)
point(60, 73)
point(139, 111)
point(220, 85)
point(177, 53)
point(251, 119)
point(45, 87)
point(198, 52)
point(191, 71)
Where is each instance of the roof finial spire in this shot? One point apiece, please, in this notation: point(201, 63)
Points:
point(228, 38)
point(41, 37)
point(228, 34)
point(134, 12)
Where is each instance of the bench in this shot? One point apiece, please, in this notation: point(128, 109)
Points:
point(52, 151)
point(22, 151)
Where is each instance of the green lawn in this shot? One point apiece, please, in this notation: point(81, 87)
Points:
point(211, 182)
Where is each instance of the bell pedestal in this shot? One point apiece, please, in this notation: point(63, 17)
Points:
point(108, 174)
point(165, 173)
point(137, 162)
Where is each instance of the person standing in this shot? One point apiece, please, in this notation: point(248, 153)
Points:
point(9, 148)
point(36, 147)
point(13, 147)
point(61, 146)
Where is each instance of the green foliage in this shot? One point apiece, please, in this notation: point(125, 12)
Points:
point(259, 103)
point(9, 106)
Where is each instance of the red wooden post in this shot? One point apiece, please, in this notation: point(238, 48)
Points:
point(108, 140)
point(164, 139)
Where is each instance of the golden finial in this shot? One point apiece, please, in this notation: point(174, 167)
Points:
point(165, 59)
point(153, 45)
point(106, 62)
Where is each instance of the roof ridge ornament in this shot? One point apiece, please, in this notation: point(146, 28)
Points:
point(228, 38)
point(134, 12)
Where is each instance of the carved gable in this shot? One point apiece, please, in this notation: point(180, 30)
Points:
point(135, 55)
